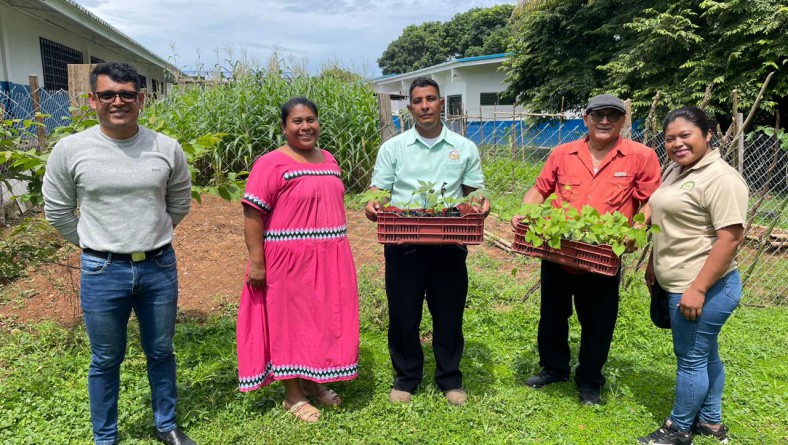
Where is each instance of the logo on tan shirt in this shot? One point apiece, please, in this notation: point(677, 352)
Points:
point(689, 185)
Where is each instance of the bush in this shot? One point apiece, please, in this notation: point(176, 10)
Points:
point(32, 242)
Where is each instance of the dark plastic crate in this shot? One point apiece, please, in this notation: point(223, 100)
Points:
point(596, 258)
point(458, 230)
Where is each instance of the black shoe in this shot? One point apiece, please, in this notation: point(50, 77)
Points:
point(174, 437)
point(589, 395)
point(666, 435)
point(544, 378)
point(702, 430)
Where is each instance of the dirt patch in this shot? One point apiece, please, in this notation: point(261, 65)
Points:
point(211, 263)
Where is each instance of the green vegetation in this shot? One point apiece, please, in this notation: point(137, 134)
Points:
point(476, 32)
point(567, 50)
point(21, 162)
point(549, 224)
point(31, 242)
point(245, 111)
point(43, 369)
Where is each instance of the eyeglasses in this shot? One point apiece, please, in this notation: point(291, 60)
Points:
point(107, 97)
point(598, 116)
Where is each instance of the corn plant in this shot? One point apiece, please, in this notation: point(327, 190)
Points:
point(246, 110)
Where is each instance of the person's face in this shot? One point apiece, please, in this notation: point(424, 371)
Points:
point(425, 106)
point(118, 114)
point(604, 125)
point(301, 128)
point(685, 142)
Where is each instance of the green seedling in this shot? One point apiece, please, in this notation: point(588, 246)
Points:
point(549, 224)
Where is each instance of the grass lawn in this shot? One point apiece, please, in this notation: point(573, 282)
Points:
point(43, 372)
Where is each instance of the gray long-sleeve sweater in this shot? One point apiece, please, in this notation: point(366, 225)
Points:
point(129, 192)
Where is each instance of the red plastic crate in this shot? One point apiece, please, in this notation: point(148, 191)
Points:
point(459, 230)
point(589, 257)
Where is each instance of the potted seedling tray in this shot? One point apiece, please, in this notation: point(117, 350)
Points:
point(596, 258)
point(396, 226)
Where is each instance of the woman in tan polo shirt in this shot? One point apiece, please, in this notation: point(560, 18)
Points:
point(701, 207)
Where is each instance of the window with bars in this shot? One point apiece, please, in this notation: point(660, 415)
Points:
point(495, 99)
point(143, 81)
point(54, 60)
point(95, 60)
point(154, 84)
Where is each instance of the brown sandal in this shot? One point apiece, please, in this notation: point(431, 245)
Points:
point(303, 410)
point(324, 396)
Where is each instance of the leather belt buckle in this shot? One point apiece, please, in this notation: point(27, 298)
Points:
point(137, 256)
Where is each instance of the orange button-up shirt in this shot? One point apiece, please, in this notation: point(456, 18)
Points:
point(626, 178)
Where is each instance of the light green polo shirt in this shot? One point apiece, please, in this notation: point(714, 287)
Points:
point(405, 159)
point(690, 207)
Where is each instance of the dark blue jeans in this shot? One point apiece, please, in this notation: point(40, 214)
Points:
point(700, 376)
point(110, 289)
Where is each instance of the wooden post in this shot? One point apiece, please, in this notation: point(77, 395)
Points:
point(387, 129)
point(481, 128)
point(79, 83)
point(734, 129)
point(740, 143)
point(626, 131)
point(513, 136)
point(36, 95)
point(561, 122)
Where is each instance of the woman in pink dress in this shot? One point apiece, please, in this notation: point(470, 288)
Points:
point(298, 317)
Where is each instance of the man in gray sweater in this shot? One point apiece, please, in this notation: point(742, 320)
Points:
point(132, 187)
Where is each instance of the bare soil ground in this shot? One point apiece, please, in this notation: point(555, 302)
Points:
point(211, 262)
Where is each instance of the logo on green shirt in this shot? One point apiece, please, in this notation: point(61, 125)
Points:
point(454, 154)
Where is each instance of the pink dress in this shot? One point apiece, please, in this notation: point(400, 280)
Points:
point(304, 323)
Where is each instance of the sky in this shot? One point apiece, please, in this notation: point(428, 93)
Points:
point(199, 34)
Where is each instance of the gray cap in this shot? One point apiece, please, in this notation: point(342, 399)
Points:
point(605, 101)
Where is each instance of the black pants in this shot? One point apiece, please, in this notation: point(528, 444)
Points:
point(596, 302)
point(438, 272)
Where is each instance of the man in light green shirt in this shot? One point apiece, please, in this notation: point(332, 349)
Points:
point(428, 152)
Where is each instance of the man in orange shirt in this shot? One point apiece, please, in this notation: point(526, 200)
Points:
point(609, 173)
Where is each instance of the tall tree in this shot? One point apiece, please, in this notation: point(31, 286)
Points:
point(682, 48)
point(419, 46)
point(478, 31)
point(557, 46)
point(635, 48)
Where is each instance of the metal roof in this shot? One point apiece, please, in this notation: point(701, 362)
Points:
point(441, 66)
point(75, 18)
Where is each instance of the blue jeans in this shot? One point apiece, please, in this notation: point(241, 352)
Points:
point(110, 289)
point(700, 376)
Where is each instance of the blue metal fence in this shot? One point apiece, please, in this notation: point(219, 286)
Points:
point(17, 102)
point(541, 133)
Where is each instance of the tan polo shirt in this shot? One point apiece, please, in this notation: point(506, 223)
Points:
point(690, 207)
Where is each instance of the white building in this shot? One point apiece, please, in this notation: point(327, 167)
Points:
point(472, 86)
point(42, 36)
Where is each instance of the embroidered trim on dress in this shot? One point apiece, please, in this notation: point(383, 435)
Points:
point(300, 234)
point(249, 383)
point(298, 173)
point(281, 371)
point(257, 201)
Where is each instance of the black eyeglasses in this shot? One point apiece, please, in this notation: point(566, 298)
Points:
point(107, 97)
point(613, 117)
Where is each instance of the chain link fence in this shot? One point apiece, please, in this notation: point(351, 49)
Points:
point(210, 241)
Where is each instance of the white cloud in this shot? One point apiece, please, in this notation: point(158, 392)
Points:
point(352, 33)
